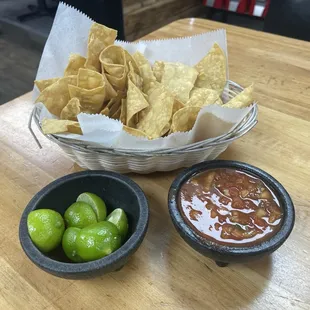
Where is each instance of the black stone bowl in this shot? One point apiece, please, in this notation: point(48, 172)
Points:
point(224, 254)
point(117, 191)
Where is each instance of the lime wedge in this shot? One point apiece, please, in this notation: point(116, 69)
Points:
point(45, 228)
point(97, 240)
point(69, 244)
point(80, 214)
point(119, 218)
point(96, 203)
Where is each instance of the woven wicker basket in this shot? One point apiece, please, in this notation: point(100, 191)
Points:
point(139, 161)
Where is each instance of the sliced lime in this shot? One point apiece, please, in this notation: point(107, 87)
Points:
point(119, 218)
point(96, 203)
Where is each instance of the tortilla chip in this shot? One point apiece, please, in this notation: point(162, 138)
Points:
point(242, 100)
point(91, 100)
point(129, 59)
point(140, 59)
point(136, 102)
point(117, 113)
point(105, 111)
point(177, 105)
point(89, 79)
point(113, 60)
point(42, 84)
point(184, 119)
point(75, 128)
point(114, 54)
point(98, 39)
point(212, 70)
point(150, 86)
point(76, 62)
point(179, 79)
point(56, 96)
point(158, 70)
point(166, 129)
point(145, 69)
point(135, 132)
point(155, 118)
point(71, 79)
point(146, 73)
point(119, 96)
point(71, 110)
point(200, 97)
point(115, 70)
point(134, 77)
point(53, 126)
point(118, 83)
point(116, 100)
point(115, 103)
point(110, 92)
point(122, 117)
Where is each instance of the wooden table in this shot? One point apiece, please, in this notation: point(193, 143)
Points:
point(166, 273)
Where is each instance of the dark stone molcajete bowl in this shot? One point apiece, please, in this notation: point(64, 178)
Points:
point(228, 254)
point(117, 191)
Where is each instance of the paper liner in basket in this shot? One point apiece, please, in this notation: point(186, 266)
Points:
point(69, 34)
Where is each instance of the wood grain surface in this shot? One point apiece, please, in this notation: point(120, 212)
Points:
point(165, 273)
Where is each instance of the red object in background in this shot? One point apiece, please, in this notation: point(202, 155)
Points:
point(240, 6)
point(251, 7)
point(221, 4)
point(266, 8)
point(246, 7)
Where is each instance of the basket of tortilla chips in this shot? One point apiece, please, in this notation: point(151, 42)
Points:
point(114, 109)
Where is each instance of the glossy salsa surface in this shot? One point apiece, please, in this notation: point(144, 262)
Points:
point(230, 207)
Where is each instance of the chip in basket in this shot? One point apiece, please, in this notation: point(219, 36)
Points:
point(71, 110)
point(53, 126)
point(179, 79)
point(42, 84)
point(151, 101)
point(212, 70)
point(135, 103)
point(242, 100)
point(184, 119)
point(200, 97)
point(99, 38)
point(89, 79)
point(56, 96)
point(76, 62)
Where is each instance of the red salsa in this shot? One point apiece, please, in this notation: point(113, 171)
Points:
point(230, 207)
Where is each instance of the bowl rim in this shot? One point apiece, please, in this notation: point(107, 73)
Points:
point(128, 248)
point(268, 245)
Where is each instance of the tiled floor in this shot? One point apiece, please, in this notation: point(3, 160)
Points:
point(21, 45)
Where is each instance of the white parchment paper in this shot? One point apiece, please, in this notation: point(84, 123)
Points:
point(69, 34)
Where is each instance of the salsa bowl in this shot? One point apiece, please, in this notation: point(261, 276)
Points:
point(221, 251)
point(117, 191)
